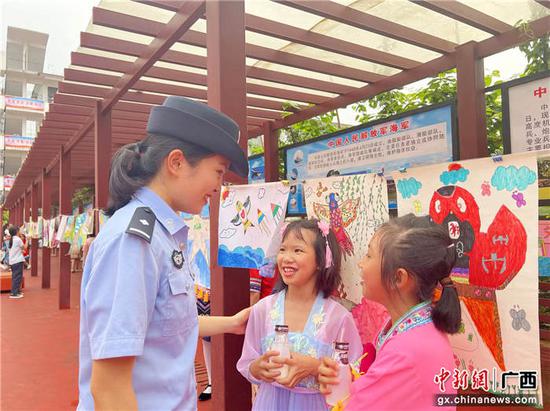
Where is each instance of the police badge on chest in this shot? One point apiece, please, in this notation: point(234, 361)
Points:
point(177, 259)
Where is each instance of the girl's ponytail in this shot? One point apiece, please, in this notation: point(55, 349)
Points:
point(127, 176)
point(446, 313)
point(13, 230)
point(134, 166)
point(425, 250)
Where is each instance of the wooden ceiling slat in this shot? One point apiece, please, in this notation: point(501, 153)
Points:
point(356, 18)
point(171, 89)
point(106, 63)
point(80, 91)
point(545, 3)
point(312, 39)
point(251, 101)
point(461, 12)
point(142, 26)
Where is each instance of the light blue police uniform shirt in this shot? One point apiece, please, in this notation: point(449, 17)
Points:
point(136, 302)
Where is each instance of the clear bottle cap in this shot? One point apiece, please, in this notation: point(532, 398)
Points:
point(281, 328)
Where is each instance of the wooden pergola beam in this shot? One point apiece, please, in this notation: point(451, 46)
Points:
point(146, 27)
point(310, 38)
point(466, 14)
point(82, 90)
point(184, 18)
point(316, 40)
point(356, 18)
point(82, 76)
point(484, 48)
point(111, 64)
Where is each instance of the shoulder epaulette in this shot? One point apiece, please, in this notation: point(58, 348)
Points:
point(142, 223)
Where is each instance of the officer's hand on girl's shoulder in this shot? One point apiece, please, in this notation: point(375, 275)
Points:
point(239, 321)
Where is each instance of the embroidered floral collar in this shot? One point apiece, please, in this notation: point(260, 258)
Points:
point(315, 319)
point(418, 315)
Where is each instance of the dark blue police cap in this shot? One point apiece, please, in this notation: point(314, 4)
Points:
point(196, 123)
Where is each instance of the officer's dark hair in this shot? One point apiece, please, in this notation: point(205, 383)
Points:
point(13, 230)
point(134, 165)
point(328, 279)
point(426, 252)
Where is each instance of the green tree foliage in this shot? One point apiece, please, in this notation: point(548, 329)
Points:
point(537, 51)
point(438, 89)
point(82, 197)
point(299, 132)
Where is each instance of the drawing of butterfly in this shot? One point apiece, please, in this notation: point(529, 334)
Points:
point(520, 201)
point(518, 319)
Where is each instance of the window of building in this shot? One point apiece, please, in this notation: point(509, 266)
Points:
point(14, 56)
point(30, 128)
point(35, 58)
point(14, 125)
point(51, 93)
point(34, 91)
point(14, 88)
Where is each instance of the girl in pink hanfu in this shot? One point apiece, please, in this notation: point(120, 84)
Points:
point(309, 264)
point(406, 259)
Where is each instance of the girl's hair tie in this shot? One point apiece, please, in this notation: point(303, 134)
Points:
point(324, 227)
point(447, 282)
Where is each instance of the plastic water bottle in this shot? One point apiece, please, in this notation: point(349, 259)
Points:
point(281, 345)
point(341, 390)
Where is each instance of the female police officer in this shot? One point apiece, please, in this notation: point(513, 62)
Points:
point(138, 322)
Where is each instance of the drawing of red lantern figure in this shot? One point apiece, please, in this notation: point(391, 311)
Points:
point(486, 261)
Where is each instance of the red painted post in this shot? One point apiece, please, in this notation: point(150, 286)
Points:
point(102, 160)
point(230, 287)
point(271, 152)
point(472, 130)
point(22, 211)
point(46, 215)
point(34, 241)
point(26, 207)
point(65, 194)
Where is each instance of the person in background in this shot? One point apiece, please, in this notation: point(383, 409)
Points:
point(16, 262)
point(6, 249)
point(26, 253)
point(86, 247)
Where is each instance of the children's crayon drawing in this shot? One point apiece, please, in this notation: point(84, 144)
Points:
point(354, 206)
point(544, 248)
point(198, 252)
point(490, 211)
point(250, 222)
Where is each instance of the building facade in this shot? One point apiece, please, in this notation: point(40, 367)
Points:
point(26, 93)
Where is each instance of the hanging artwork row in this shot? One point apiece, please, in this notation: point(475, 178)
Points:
point(354, 206)
point(489, 209)
point(71, 229)
point(250, 221)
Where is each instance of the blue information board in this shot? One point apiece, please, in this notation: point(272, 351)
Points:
point(419, 137)
point(256, 169)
